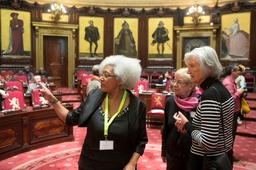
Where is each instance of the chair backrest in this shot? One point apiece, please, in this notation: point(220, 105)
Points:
point(158, 101)
point(78, 74)
point(37, 99)
point(168, 86)
point(85, 78)
point(8, 74)
point(21, 78)
point(154, 78)
point(141, 85)
point(14, 85)
point(144, 75)
point(14, 101)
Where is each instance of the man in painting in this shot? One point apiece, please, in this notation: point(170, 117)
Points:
point(92, 36)
point(125, 43)
point(15, 46)
point(160, 37)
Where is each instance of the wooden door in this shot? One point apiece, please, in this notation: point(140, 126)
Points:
point(55, 59)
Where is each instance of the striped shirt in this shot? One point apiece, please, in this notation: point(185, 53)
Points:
point(207, 132)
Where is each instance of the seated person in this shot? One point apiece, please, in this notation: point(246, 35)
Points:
point(34, 84)
point(3, 95)
point(94, 82)
point(41, 72)
point(28, 73)
point(164, 78)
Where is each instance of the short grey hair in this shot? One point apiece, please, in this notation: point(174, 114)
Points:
point(208, 60)
point(95, 70)
point(126, 69)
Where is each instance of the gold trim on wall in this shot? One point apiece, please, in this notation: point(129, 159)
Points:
point(63, 30)
point(196, 31)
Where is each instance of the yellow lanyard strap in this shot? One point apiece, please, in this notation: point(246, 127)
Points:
point(106, 122)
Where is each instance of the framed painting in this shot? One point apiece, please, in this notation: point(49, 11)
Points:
point(235, 36)
point(160, 36)
point(91, 37)
point(15, 33)
point(126, 37)
point(189, 43)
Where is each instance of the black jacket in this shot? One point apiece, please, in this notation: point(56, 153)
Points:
point(137, 120)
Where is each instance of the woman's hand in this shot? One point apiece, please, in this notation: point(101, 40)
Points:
point(180, 122)
point(130, 166)
point(46, 93)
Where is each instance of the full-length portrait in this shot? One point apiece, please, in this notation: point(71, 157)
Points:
point(91, 37)
point(125, 40)
point(160, 38)
point(235, 36)
point(15, 32)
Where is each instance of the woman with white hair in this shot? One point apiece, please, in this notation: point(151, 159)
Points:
point(211, 128)
point(114, 117)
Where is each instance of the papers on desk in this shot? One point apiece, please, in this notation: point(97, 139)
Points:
point(157, 111)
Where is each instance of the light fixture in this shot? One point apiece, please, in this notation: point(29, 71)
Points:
point(195, 12)
point(57, 10)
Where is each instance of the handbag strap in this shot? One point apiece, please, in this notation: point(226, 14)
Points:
point(221, 115)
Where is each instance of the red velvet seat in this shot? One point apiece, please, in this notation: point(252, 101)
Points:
point(141, 86)
point(13, 85)
point(144, 75)
point(250, 82)
point(21, 78)
point(156, 114)
point(37, 99)
point(15, 100)
point(154, 78)
point(8, 74)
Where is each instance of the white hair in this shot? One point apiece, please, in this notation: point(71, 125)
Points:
point(208, 60)
point(126, 69)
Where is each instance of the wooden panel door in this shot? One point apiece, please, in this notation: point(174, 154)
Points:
point(55, 59)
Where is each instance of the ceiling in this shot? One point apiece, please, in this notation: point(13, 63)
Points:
point(139, 4)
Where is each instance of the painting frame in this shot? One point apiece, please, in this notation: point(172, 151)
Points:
point(160, 50)
point(22, 35)
point(126, 33)
point(95, 48)
point(191, 42)
point(235, 43)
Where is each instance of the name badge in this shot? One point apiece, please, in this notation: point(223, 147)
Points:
point(106, 145)
point(192, 114)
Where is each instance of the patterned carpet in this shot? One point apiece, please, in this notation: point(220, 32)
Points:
point(65, 155)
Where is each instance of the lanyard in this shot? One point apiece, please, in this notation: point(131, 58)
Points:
point(106, 122)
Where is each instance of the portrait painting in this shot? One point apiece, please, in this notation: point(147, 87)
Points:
point(15, 33)
point(126, 37)
point(160, 36)
point(91, 37)
point(235, 36)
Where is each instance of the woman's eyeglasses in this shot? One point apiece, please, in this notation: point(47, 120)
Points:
point(179, 82)
point(107, 75)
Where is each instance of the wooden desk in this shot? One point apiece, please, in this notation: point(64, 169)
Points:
point(31, 129)
point(160, 88)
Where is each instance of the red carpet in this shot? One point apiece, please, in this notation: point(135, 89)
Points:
point(64, 156)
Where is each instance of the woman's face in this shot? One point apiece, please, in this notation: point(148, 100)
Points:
point(181, 87)
point(195, 71)
point(108, 79)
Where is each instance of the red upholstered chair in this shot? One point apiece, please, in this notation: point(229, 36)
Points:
point(156, 113)
point(15, 100)
point(37, 99)
point(21, 78)
point(154, 78)
point(13, 85)
point(144, 75)
point(168, 86)
point(250, 82)
point(85, 78)
point(8, 74)
point(141, 85)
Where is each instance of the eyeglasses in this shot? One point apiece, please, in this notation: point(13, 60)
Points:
point(179, 82)
point(105, 75)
